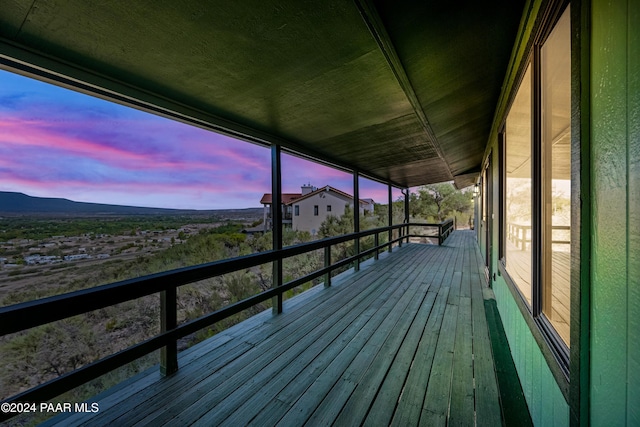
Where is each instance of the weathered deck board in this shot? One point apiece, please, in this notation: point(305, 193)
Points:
point(404, 341)
point(462, 383)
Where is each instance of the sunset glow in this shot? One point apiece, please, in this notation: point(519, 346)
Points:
point(58, 143)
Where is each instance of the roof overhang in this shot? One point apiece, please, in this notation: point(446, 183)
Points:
point(400, 91)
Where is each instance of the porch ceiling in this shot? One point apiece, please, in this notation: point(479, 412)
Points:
point(400, 90)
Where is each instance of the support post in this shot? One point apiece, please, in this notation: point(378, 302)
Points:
point(276, 221)
point(356, 218)
point(168, 321)
point(406, 211)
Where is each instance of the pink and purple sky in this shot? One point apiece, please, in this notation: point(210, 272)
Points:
point(55, 142)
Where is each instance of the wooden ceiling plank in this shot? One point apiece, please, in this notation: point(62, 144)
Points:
point(378, 31)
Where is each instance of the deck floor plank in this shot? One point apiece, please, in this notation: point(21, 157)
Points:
point(409, 406)
point(462, 385)
point(404, 341)
point(438, 396)
point(384, 402)
point(359, 403)
point(364, 353)
point(250, 401)
point(488, 412)
point(244, 369)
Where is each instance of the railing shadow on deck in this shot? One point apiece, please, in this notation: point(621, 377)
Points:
point(23, 316)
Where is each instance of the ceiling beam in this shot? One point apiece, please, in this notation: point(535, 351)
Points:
point(375, 25)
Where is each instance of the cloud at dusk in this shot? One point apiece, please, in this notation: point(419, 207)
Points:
point(58, 143)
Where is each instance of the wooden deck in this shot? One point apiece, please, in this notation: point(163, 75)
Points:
point(403, 342)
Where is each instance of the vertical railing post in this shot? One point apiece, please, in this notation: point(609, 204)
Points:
point(400, 235)
point(518, 239)
point(390, 210)
point(376, 243)
point(356, 218)
point(168, 322)
point(276, 221)
point(439, 234)
point(327, 263)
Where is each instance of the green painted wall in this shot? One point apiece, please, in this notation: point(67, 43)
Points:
point(547, 405)
point(546, 402)
point(615, 239)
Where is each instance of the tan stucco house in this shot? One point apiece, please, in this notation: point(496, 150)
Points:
point(307, 210)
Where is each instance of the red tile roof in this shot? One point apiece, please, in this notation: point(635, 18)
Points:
point(286, 198)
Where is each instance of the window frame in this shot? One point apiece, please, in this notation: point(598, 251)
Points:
point(316, 210)
point(551, 344)
point(296, 210)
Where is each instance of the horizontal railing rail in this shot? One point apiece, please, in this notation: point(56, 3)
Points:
point(23, 316)
point(443, 229)
point(520, 234)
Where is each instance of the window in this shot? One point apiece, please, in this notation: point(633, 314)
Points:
point(296, 209)
point(328, 208)
point(315, 210)
point(537, 184)
point(518, 255)
point(555, 63)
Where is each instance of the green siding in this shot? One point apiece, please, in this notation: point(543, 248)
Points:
point(615, 312)
point(614, 235)
point(544, 398)
point(547, 405)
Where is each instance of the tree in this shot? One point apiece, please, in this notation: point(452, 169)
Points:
point(440, 193)
point(439, 201)
point(336, 226)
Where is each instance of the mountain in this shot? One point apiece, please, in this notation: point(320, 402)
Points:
point(20, 203)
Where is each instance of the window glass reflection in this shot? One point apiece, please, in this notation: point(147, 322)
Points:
point(518, 189)
point(556, 175)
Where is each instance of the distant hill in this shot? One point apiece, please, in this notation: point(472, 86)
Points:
point(20, 203)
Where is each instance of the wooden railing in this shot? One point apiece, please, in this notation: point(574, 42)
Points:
point(440, 231)
point(520, 234)
point(20, 317)
point(444, 229)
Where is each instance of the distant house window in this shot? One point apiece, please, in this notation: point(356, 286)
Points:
point(297, 210)
point(315, 210)
point(328, 208)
